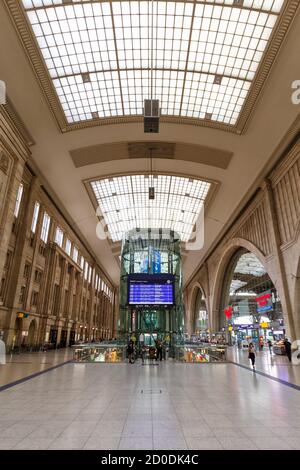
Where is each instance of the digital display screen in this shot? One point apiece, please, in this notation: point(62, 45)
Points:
point(150, 290)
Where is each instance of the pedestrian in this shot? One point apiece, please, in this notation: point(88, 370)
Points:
point(143, 353)
point(270, 346)
point(158, 345)
point(130, 352)
point(251, 354)
point(288, 349)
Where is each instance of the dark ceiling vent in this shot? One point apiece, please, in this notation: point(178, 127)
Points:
point(218, 79)
point(151, 116)
point(86, 77)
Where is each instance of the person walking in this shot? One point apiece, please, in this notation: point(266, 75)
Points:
point(158, 350)
point(288, 349)
point(270, 346)
point(130, 352)
point(143, 353)
point(251, 354)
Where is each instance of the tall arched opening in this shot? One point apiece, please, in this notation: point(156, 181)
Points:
point(199, 315)
point(250, 307)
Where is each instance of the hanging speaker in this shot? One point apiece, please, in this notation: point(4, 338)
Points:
point(151, 193)
point(151, 116)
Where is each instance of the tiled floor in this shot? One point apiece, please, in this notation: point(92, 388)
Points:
point(21, 365)
point(169, 406)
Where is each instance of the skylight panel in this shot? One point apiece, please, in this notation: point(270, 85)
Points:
point(111, 42)
point(125, 204)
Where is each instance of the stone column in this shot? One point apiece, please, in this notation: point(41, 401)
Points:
point(275, 240)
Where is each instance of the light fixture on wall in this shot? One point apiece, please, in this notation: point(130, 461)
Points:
point(151, 106)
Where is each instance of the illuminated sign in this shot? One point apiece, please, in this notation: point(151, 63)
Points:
point(228, 312)
point(22, 315)
point(264, 303)
point(151, 289)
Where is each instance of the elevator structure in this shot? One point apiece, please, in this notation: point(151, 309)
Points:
point(151, 296)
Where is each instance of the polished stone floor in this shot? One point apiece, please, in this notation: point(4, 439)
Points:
point(168, 406)
point(22, 365)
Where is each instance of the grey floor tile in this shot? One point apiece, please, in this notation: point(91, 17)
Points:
point(197, 430)
point(33, 444)
point(228, 432)
point(294, 442)
point(7, 443)
point(271, 443)
point(135, 443)
point(102, 443)
point(169, 443)
point(62, 443)
point(257, 431)
point(205, 443)
point(218, 421)
point(237, 443)
point(18, 430)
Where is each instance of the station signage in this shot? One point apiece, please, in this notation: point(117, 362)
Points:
point(264, 303)
point(228, 312)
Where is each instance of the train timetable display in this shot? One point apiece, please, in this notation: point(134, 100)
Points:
point(147, 293)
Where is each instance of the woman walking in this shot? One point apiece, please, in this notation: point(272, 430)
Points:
point(251, 354)
point(130, 352)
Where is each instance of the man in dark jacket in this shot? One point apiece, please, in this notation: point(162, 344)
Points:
point(288, 349)
point(158, 345)
point(130, 352)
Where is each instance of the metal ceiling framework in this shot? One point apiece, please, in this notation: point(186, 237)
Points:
point(211, 57)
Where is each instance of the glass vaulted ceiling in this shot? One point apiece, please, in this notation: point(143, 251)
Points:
point(125, 204)
point(205, 54)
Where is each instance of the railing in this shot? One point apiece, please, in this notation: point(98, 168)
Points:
point(99, 352)
point(200, 353)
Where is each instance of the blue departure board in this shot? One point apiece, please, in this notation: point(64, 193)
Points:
point(147, 291)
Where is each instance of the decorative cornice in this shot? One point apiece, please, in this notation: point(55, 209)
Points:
point(4, 162)
point(35, 58)
point(10, 137)
point(18, 122)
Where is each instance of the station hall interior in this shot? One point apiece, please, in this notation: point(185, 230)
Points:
point(150, 225)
